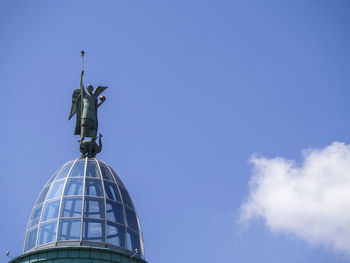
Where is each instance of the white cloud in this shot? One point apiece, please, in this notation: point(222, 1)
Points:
point(311, 201)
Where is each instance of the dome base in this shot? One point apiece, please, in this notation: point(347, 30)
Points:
point(77, 254)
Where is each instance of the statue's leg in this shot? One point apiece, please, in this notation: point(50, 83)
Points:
point(94, 133)
point(83, 131)
point(90, 132)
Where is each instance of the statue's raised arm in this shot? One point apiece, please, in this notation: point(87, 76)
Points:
point(98, 91)
point(82, 90)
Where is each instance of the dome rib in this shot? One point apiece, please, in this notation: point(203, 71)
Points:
point(61, 198)
point(121, 198)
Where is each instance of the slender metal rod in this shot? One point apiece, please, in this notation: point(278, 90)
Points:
point(82, 59)
point(81, 94)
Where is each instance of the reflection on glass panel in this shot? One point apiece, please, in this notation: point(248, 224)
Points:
point(94, 208)
point(131, 219)
point(116, 235)
point(138, 224)
point(34, 219)
point(105, 172)
point(47, 232)
point(93, 230)
point(78, 169)
point(112, 191)
point(91, 169)
point(71, 207)
point(115, 212)
point(119, 182)
point(56, 189)
point(93, 187)
point(64, 171)
point(128, 241)
point(142, 252)
point(42, 195)
point(69, 229)
point(126, 197)
point(74, 186)
point(30, 239)
point(133, 241)
point(50, 210)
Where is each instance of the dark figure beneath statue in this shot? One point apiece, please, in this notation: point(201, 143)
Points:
point(90, 147)
point(86, 121)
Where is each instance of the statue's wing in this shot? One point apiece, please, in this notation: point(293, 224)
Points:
point(75, 104)
point(99, 90)
point(78, 113)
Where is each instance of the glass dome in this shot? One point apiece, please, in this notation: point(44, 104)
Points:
point(84, 204)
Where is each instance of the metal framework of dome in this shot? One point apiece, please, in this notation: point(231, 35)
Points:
point(84, 204)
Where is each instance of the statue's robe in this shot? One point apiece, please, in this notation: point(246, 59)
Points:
point(86, 117)
point(89, 116)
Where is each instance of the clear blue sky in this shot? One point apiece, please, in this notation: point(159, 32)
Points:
point(195, 88)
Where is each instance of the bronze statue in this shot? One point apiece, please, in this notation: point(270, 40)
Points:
point(85, 105)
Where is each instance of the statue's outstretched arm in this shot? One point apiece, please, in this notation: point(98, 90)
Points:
point(102, 98)
point(99, 104)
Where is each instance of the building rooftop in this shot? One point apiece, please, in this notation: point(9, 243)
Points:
point(84, 204)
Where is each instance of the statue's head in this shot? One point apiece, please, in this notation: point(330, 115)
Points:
point(89, 88)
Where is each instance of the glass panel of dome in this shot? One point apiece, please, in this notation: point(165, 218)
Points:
point(71, 207)
point(93, 230)
point(133, 241)
point(53, 177)
point(131, 219)
point(93, 187)
point(35, 216)
point(116, 234)
point(74, 186)
point(50, 210)
point(106, 174)
point(94, 208)
point(126, 197)
point(78, 169)
point(91, 169)
point(112, 191)
point(47, 232)
point(56, 189)
point(128, 241)
point(69, 229)
point(30, 239)
point(64, 171)
point(120, 183)
point(115, 212)
point(42, 195)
